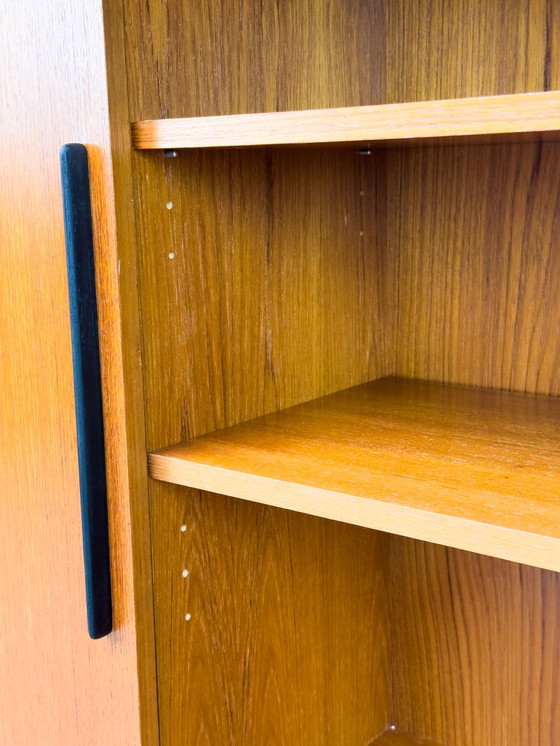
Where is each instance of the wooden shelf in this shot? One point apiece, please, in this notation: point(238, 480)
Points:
point(468, 468)
point(489, 115)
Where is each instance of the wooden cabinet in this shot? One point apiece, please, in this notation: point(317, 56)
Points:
point(329, 283)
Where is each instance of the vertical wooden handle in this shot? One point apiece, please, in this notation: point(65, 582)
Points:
point(87, 386)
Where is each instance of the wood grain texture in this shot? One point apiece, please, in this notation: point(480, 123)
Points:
point(474, 644)
point(277, 649)
point(281, 329)
point(490, 115)
point(437, 49)
point(216, 58)
point(277, 261)
point(466, 467)
point(121, 346)
point(473, 272)
point(58, 686)
point(282, 231)
point(476, 650)
point(243, 321)
point(268, 300)
point(261, 58)
point(395, 738)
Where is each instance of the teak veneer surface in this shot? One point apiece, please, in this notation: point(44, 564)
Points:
point(267, 281)
point(282, 311)
point(466, 467)
point(294, 275)
point(457, 49)
point(471, 262)
point(475, 648)
point(491, 115)
point(394, 738)
point(277, 649)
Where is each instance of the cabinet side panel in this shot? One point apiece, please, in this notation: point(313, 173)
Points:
point(439, 49)
point(58, 686)
point(286, 642)
point(256, 294)
point(258, 288)
point(476, 651)
point(258, 276)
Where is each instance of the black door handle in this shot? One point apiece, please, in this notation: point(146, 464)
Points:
point(87, 386)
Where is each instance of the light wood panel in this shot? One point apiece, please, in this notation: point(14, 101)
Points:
point(465, 467)
point(490, 115)
point(476, 650)
point(122, 365)
point(58, 686)
point(473, 268)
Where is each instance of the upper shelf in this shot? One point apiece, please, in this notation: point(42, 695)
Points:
point(468, 468)
point(463, 117)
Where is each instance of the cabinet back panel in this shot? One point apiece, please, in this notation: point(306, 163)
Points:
point(476, 651)
point(439, 49)
point(474, 267)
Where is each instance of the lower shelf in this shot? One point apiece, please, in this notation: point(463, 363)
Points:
point(393, 738)
point(463, 467)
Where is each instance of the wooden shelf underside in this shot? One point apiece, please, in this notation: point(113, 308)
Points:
point(455, 118)
point(463, 467)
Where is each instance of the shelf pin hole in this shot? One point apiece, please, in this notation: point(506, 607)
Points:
point(183, 528)
point(187, 617)
point(169, 205)
point(185, 573)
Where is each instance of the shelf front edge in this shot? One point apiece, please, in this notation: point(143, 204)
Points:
point(488, 115)
point(460, 533)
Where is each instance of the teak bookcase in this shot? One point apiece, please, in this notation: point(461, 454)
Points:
point(338, 255)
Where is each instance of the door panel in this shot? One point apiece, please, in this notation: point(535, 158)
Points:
point(57, 686)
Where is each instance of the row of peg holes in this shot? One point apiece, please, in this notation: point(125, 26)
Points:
point(169, 205)
point(185, 572)
point(171, 254)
